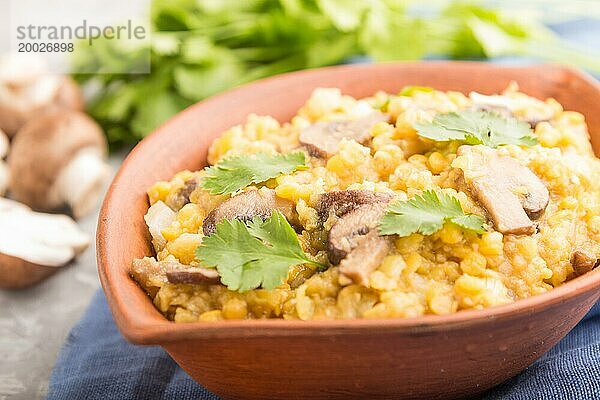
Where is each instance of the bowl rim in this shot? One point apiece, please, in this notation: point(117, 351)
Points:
point(143, 328)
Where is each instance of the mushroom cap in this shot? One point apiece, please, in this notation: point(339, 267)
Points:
point(69, 96)
point(16, 273)
point(341, 202)
point(21, 68)
point(43, 147)
point(63, 93)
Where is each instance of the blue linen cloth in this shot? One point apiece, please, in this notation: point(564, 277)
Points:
point(97, 363)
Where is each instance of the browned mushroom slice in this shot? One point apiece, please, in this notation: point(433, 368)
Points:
point(322, 139)
point(345, 233)
point(182, 196)
point(149, 273)
point(505, 106)
point(247, 205)
point(152, 274)
point(366, 257)
point(193, 276)
point(341, 202)
point(355, 244)
point(583, 261)
point(509, 191)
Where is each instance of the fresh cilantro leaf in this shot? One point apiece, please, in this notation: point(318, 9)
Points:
point(200, 47)
point(426, 214)
point(477, 127)
point(253, 254)
point(237, 172)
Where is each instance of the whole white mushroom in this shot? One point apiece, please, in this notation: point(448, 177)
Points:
point(34, 245)
point(58, 160)
point(28, 90)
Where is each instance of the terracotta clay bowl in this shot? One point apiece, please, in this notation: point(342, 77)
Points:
point(425, 357)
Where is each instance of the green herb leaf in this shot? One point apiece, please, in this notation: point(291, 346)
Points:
point(426, 214)
point(253, 254)
point(158, 109)
point(388, 34)
point(477, 127)
point(198, 82)
point(237, 172)
point(200, 47)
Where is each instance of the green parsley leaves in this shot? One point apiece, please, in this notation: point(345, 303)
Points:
point(237, 172)
point(426, 214)
point(253, 254)
point(477, 127)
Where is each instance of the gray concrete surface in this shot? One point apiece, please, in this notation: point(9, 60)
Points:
point(34, 322)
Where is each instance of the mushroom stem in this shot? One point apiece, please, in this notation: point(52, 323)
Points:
point(80, 182)
point(50, 240)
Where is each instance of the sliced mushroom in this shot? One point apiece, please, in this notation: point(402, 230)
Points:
point(583, 261)
point(345, 233)
point(355, 244)
point(536, 110)
point(33, 245)
point(322, 139)
point(247, 205)
point(159, 217)
point(366, 257)
point(193, 275)
point(58, 159)
point(510, 192)
point(182, 196)
point(27, 90)
point(151, 274)
point(339, 203)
